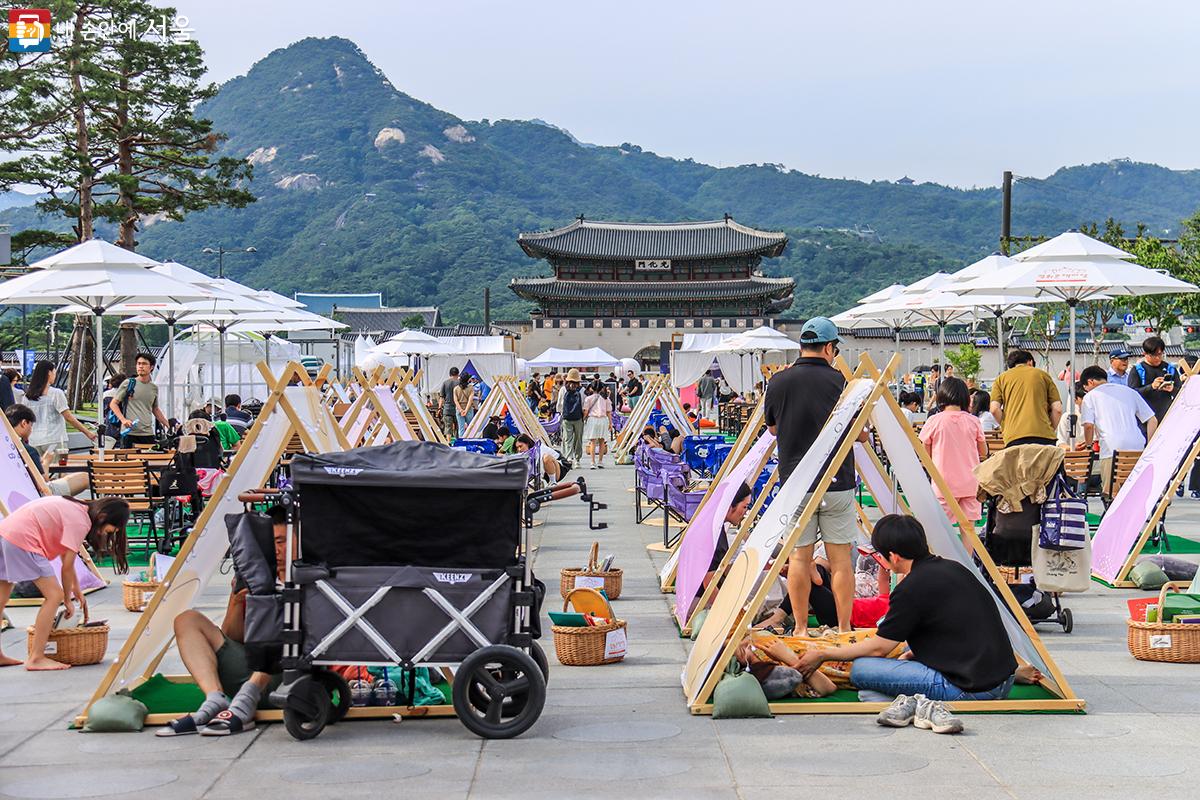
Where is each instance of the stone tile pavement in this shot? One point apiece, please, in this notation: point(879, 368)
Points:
point(622, 731)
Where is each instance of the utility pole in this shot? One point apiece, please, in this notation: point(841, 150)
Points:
point(1006, 213)
point(487, 311)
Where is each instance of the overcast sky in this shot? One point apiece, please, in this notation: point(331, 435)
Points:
point(953, 92)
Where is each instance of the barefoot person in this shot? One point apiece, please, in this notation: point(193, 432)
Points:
point(49, 528)
point(958, 648)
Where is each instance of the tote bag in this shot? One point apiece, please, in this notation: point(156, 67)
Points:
point(1062, 570)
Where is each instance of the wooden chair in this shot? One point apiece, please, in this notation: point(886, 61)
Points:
point(994, 440)
point(1123, 462)
point(1077, 465)
point(129, 480)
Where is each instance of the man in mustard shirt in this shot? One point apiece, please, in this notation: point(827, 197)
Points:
point(1025, 401)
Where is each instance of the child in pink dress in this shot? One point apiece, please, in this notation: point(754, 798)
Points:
point(954, 439)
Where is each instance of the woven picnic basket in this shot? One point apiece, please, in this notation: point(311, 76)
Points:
point(612, 577)
point(1176, 643)
point(137, 594)
point(75, 646)
point(584, 647)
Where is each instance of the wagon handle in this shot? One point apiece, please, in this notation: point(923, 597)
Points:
point(257, 496)
point(594, 558)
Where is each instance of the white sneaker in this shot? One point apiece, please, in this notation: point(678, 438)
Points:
point(932, 715)
point(900, 713)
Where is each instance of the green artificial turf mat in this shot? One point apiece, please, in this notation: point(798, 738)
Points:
point(162, 696)
point(1019, 692)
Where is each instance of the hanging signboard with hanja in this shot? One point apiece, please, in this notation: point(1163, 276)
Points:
point(652, 265)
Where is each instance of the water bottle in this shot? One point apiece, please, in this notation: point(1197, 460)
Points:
point(129, 428)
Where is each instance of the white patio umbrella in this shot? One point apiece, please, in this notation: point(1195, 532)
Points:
point(223, 304)
point(934, 282)
point(97, 275)
point(940, 308)
point(886, 293)
point(411, 342)
point(755, 343)
point(1071, 268)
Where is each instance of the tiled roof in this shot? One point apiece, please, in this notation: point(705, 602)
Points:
point(635, 240)
point(746, 288)
point(366, 320)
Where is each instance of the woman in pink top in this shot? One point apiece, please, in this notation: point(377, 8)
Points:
point(48, 528)
point(954, 439)
point(597, 414)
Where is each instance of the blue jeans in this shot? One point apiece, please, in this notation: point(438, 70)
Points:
point(881, 679)
point(464, 420)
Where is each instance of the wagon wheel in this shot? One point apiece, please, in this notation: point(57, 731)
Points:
point(499, 692)
point(307, 708)
point(340, 696)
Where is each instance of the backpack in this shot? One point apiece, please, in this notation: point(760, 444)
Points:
point(573, 405)
point(109, 416)
point(1140, 368)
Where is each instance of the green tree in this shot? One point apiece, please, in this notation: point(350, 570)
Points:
point(1095, 313)
point(966, 359)
point(412, 322)
point(104, 123)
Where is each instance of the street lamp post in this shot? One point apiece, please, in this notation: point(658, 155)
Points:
point(221, 250)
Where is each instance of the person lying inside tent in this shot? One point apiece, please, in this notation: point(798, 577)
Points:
point(777, 668)
point(21, 417)
point(872, 584)
point(650, 439)
point(492, 428)
point(552, 460)
point(670, 439)
point(235, 679)
point(958, 647)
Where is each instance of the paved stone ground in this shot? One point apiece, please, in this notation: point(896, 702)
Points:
point(622, 731)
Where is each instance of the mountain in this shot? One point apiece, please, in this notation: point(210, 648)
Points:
point(362, 187)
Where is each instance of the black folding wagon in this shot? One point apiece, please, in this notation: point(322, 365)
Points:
point(410, 555)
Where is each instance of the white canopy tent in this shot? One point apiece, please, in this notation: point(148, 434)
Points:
point(487, 354)
point(413, 343)
point(1072, 268)
point(198, 378)
point(581, 359)
point(739, 355)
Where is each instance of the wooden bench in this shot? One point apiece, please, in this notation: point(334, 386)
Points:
point(994, 441)
point(129, 480)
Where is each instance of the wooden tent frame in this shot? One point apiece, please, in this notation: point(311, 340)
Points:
point(700, 701)
point(43, 490)
point(506, 392)
point(749, 434)
point(748, 522)
point(656, 388)
point(363, 430)
point(306, 416)
point(1121, 581)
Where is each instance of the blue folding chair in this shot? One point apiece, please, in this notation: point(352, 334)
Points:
point(485, 446)
point(700, 452)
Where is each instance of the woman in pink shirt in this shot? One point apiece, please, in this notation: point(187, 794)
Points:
point(49, 528)
point(954, 439)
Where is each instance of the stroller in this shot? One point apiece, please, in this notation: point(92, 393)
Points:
point(405, 556)
point(1008, 539)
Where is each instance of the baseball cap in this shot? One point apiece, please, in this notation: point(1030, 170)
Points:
point(819, 330)
point(1120, 353)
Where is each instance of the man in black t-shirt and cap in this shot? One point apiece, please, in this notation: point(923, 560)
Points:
point(958, 648)
point(799, 400)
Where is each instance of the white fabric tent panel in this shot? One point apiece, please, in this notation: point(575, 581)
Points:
point(560, 357)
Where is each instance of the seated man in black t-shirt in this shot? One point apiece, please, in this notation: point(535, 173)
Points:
point(958, 648)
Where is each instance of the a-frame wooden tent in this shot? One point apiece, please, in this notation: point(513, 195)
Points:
point(655, 389)
point(1143, 498)
point(507, 392)
point(749, 578)
point(297, 410)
